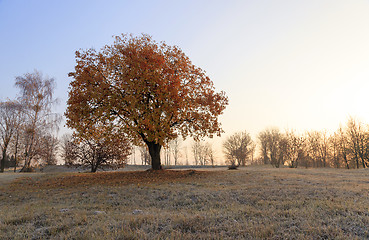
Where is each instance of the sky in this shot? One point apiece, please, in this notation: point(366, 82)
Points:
point(300, 65)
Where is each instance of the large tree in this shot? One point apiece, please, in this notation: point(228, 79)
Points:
point(150, 90)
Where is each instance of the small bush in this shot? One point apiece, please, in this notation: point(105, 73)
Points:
point(233, 167)
point(28, 169)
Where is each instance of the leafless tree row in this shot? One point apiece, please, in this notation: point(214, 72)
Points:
point(203, 153)
point(348, 147)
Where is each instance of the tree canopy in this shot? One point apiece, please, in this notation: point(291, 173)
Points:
point(150, 91)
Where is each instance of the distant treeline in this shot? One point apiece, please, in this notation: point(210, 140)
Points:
point(348, 147)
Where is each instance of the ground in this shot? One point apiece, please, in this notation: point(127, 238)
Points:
point(258, 202)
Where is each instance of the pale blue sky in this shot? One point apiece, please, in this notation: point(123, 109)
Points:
point(291, 64)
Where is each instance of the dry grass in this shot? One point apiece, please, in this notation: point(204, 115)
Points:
point(251, 203)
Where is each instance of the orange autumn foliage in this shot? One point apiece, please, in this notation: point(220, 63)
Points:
point(150, 91)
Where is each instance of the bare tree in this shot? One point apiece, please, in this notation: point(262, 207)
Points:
point(175, 146)
point(334, 149)
point(196, 150)
point(68, 149)
point(283, 150)
point(295, 149)
point(324, 147)
point(145, 155)
point(36, 96)
point(273, 139)
point(210, 155)
point(10, 113)
point(199, 150)
point(49, 149)
point(167, 154)
point(358, 141)
point(343, 147)
point(237, 148)
point(314, 148)
point(16, 145)
point(252, 152)
point(133, 155)
point(186, 153)
point(263, 140)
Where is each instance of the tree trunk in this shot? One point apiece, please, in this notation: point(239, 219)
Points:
point(3, 161)
point(154, 150)
point(16, 153)
point(15, 162)
point(94, 168)
point(347, 165)
point(96, 164)
point(363, 162)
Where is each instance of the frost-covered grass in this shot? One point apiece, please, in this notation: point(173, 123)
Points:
point(251, 203)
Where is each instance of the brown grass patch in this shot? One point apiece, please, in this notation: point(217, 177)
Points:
point(251, 203)
point(107, 178)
